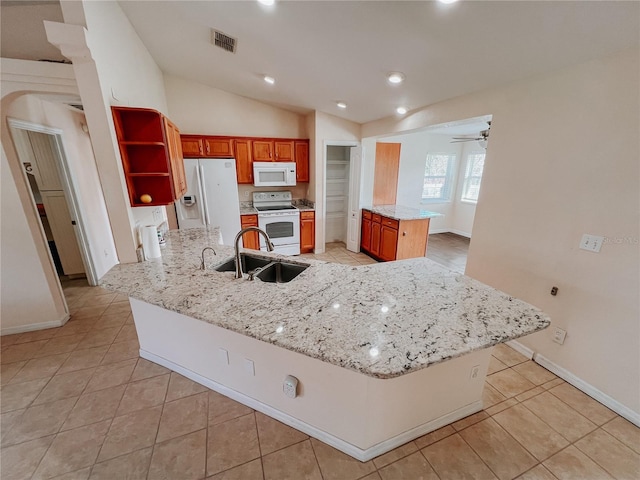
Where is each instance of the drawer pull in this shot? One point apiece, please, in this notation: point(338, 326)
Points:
point(404, 234)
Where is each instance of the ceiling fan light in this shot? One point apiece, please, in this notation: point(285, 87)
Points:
point(395, 77)
point(267, 2)
point(447, 2)
point(341, 105)
point(269, 80)
point(401, 110)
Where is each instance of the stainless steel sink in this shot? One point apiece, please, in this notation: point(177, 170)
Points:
point(281, 272)
point(249, 263)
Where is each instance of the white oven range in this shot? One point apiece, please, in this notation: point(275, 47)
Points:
point(280, 220)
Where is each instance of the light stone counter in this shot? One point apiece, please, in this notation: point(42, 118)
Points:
point(400, 212)
point(381, 320)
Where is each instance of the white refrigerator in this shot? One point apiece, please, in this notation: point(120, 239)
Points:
point(211, 197)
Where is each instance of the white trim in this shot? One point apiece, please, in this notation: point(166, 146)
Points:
point(518, 347)
point(346, 447)
point(593, 392)
point(35, 326)
point(460, 232)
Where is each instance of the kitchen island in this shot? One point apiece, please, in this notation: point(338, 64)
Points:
point(383, 353)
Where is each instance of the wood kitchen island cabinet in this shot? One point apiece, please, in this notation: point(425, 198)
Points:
point(402, 234)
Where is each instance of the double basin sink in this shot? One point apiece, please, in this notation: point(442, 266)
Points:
point(266, 269)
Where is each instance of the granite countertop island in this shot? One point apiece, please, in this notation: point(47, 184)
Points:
point(381, 320)
point(401, 212)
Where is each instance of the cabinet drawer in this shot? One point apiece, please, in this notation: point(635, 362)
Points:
point(366, 214)
point(376, 218)
point(307, 214)
point(248, 220)
point(391, 223)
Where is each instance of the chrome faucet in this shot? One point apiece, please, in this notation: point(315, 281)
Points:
point(236, 242)
point(202, 266)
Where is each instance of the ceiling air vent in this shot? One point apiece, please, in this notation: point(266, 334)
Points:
point(223, 41)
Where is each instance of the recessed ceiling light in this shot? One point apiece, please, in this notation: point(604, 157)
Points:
point(269, 80)
point(395, 77)
point(341, 105)
point(401, 110)
point(447, 2)
point(267, 2)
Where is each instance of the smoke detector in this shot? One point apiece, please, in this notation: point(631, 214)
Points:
point(223, 41)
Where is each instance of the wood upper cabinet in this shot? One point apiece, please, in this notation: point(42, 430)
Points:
point(218, 147)
point(262, 151)
point(302, 160)
point(307, 231)
point(250, 240)
point(284, 150)
point(266, 150)
point(192, 146)
point(151, 156)
point(244, 161)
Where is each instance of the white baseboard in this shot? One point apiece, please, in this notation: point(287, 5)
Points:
point(518, 347)
point(450, 230)
point(461, 233)
point(35, 326)
point(343, 446)
point(589, 389)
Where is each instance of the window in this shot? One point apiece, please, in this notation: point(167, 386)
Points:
point(438, 176)
point(473, 177)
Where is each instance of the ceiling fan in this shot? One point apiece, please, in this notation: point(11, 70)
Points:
point(481, 138)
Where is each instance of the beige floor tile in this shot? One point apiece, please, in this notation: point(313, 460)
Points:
point(470, 420)
point(23, 351)
point(97, 338)
point(534, 372)
point(146, 369)
point(572, 464)
point(530, 394)
point(296, 462)
point(119, 352)
point(110, 321)
point(8, 340)
point(414, 466)
point(559, 416)
point(508, 355)
point(133, 466)
point(9, 370)
point(44, 367)
point(36, 335)
point(498, 407)
point(64, 386)
point(20, 395)
point(81, 359)
point(499, 450)
point(122, 308)
point(183, 416)
point(336, 465)
point(111, 375)
point(395, 454)
point(509, 383)
point(249, 471)
point(452, 458)
point(583, 403)
point(94, 407)
point(553, 383)
point(20, 461)
point(539, 472)
point(127, 333)
point(222, 408)
point(611, 454)
point(180, 386)
point(534, 434)
point(624, 431)
point(274, 435)
point(72, 450)
point(8, 420)
point(39, 421)
point(232, 443)
point(130, 432)
point(144, 394)
point(181, 458)
point(495, 365)
point(82, 474)
point(88, 312)
point(433, 437)
point(74, 328)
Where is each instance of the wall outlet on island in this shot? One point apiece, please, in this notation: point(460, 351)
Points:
point(559, 335)
point(475, 370)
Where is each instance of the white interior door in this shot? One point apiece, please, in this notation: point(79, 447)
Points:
point(64, 236)
point(353, 220)
point(45, 168)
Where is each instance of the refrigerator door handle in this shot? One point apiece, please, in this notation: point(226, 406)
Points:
point(203, 196)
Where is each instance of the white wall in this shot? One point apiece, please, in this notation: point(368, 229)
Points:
point(77, 145)
point(562, 161)
point(464, 212)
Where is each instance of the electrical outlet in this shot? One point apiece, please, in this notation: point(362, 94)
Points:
point(223, 355)
point(249, 367)
point(559, 335)
point(475, 370)
point(157, 215)
point(290, 386)
point(591, 243)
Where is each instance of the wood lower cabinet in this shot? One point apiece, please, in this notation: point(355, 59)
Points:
point(244, 161)
point(307, 231)
point(389, 239)
point(250, 240)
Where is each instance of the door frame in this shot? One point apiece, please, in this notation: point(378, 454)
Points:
point(68, 186)
point(355, 180)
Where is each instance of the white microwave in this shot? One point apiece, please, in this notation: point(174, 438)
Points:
point(274, 174)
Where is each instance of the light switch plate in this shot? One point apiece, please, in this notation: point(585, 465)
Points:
point(249, 367)
point(591, 243)
point(223, 355)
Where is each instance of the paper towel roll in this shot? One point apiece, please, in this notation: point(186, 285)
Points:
point(150, 243)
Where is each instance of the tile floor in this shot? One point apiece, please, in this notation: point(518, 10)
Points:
point(77, 403)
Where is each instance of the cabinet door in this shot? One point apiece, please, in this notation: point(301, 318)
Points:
point(244, 161)
point(174, 145)
point(218, 147)
point(375, 238)
point(262, 150)
point(302, 161)
point(307, 232)
point(365, 239)
point(192, 147)
point(283, 150)
point(250, 240)
point(388, 242)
